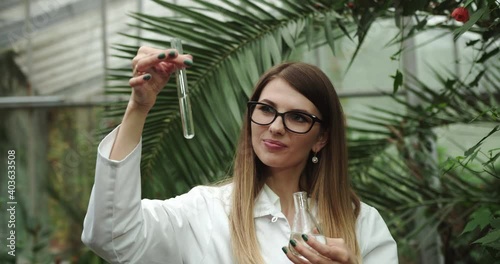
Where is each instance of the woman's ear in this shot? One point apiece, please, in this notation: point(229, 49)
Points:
point(321, 142)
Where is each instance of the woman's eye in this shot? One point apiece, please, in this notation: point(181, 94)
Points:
point(298, 117)
point(266, 109)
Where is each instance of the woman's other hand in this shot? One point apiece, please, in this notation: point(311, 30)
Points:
point(335, 251)
point(151, 71)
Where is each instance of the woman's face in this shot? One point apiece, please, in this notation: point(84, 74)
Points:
point(277, 147)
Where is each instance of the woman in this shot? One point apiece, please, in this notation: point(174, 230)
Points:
point(293, 139)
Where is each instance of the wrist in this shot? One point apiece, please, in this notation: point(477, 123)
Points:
point(137, 109)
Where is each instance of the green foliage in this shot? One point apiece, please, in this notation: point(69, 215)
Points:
point(450, 191)
point(484, 221)
point(72, 159)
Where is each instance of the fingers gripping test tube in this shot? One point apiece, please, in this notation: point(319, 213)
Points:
point(183, 95)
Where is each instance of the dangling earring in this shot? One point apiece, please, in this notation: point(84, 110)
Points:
point(314, 158)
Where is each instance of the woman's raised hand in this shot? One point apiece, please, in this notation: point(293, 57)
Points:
point(151, 71)
point(335, 251)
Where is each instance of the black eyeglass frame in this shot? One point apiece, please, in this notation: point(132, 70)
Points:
point(251, 104)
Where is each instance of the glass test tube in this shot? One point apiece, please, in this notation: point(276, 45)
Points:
point(183, 95)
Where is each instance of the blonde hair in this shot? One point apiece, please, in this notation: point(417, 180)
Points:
point(327, 181)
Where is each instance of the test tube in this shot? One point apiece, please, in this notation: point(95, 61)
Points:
point(183, 95)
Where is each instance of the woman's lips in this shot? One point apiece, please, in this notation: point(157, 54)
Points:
point(273, 144)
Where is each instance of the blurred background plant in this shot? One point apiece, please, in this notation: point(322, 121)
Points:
point(441, 207)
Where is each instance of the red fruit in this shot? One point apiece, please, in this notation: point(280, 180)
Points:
point(460, 14)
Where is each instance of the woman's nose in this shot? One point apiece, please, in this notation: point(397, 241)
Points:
point(277, 126)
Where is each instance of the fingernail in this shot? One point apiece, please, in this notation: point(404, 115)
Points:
point(146, 77)
point(172, 54)
point(161, 56)
point(304, 236)
point(293, 243)
point(284, 250)
point(188, 62)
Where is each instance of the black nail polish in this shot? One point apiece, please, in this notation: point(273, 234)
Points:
point(146, 77)
point(172, 54)
point(304, 236)
point(284, 250)
point(188, 63)
point(293, 243)
point(161, 56)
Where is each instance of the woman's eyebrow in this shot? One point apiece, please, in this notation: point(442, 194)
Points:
point(267, 101)
point(271, 103)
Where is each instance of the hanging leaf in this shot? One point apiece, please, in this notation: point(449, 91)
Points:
point(329, 33)
point(398, 81)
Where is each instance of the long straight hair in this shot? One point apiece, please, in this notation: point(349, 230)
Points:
point(327, 181)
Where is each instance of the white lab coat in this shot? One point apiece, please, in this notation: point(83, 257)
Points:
point(193, 227)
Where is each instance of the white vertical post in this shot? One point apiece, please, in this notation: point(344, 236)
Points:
point(104, 32)
point(429, 239)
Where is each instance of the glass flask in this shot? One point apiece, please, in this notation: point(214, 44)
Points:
point(304, 223)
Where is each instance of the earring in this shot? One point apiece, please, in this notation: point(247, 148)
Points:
point(314, 158)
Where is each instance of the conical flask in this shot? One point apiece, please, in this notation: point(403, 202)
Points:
point(304, 223)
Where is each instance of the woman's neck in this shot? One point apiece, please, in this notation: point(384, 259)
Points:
point(284, 183)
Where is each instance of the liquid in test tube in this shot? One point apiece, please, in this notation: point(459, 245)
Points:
point(183, 94)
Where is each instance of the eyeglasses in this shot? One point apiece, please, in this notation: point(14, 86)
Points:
point(294, 121)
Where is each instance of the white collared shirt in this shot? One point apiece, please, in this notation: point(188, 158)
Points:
point(193, 227)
